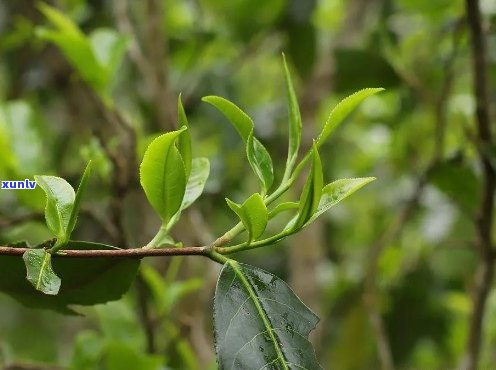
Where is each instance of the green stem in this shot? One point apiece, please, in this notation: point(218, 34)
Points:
point(217, 257)
point(238, 228)
point(259, 243)
point(163, 231)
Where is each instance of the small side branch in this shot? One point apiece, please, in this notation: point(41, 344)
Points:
point(485, 215)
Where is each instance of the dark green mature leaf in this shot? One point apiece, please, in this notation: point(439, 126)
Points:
point(342, 110)
point(40, 272)
point(60, 201)
point(253, 214)
point(258, 157)
point(310, 196)
point(260, 323)
point(184, 140)
point(295, 125)
point(85, 281)
point(194, 188)
point(162, 175)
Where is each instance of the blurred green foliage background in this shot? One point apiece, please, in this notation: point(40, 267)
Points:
point(401, 250)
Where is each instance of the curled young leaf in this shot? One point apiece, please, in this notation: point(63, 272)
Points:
point(253, 214)
point(310, 196)
point(200, 170)
point(295, 126)
point(77, 200)
point(163, 176)
point(258, 157)
point(59, 204)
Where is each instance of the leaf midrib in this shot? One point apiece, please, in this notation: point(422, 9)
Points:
point(46, 257)
point(261, 312)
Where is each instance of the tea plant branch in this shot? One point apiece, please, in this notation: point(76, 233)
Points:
point(485, 215)
point(114, 253)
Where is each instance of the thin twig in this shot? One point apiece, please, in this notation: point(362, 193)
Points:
point(485, 217)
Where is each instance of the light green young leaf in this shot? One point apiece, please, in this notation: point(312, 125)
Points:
point(239, 119)
point(282, 207)
point(60, 201)
point(295, 126)
point(40, 272)
point(310, 196)
point(342, 110)
point(259, 322)
point(184, 141)
point(258, 157)
point(75, 46)
point(336, 191)
point(77, 200)
point(253, 214)
point(194, 188)
point(162, 175)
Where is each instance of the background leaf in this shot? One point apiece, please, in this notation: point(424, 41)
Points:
point(39, 271)
point(162, 175)
point(85, 281)
point(259, 322)
point(59, 203)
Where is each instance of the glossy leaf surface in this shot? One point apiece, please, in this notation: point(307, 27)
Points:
point(260, 323)
point(162, 175)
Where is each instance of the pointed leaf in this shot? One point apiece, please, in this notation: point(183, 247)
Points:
point(253, 214)
point(77, 200)
point(258, 157)
point(310, 196)
point(336, 191)
point(40, 272)
point(184, 141)
point(295, 126)
point(342, 110)
point(194, 188)
point(239, 119)
point(162, 175)
point(60, 201)
point(85, 281)
point(259, 323)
